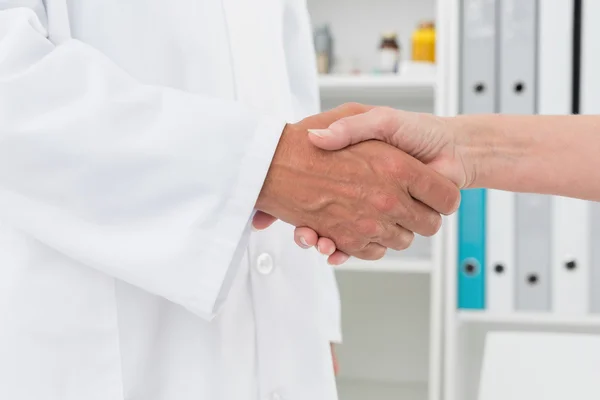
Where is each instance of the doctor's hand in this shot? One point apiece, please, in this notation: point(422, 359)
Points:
point(365, 198)
point(429, 138)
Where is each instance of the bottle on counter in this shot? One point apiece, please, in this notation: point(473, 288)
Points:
point(423, 43)
point(389, 53)
point(324, 49)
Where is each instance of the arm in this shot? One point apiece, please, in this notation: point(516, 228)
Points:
point(156, 186)
point(121, 176)
point(553, 155)
point(540, 154)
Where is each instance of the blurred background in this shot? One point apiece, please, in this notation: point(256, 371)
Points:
point(437, 322)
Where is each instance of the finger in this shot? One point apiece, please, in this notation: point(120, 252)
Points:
point(397, 238)
point(305, 237)
point(336, 367)
point(434, 190)
point(262, 220)
point(371, 252)
point(421, 219)
point(338, 258)
point(326, 246)
point(378, 123)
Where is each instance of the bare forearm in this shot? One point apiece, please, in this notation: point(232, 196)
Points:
point(543, 154)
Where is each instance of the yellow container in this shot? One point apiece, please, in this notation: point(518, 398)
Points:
point(423, 43)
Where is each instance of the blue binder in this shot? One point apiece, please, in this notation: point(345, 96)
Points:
point(471, 249)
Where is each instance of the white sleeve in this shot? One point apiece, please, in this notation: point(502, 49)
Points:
point(302, 67)
point(147, 184)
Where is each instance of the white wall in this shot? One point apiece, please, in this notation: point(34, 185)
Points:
point(357, 25)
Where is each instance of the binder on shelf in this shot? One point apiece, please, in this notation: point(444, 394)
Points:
point(558, 93)
point(517, 50)
point(471, 249)
point(518, 39)
point(478, 56)
point(589, 28)
point(533, 252)
point(477, 96)
point(571, 256)
point(500, 251)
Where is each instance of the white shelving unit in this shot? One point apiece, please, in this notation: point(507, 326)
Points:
point(416, 82)
point(399, 265)
point(465, 331)
point(391, 308)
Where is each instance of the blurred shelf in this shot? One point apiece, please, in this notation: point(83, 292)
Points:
point(530, 319)
point(414, 81)
point(399, 265)
point(352, 389)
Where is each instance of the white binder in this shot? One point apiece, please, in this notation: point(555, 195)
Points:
point(555, 57)
point(517, 45)
point(518, 32)
point(590, 104)
point(590, 58)
point(571, 256)
point(556, 94)
point(478, 56)
point(533, 252)
point(500, 253)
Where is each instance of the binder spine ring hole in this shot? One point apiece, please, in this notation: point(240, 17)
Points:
point(499, 268)
point(519, 87)
point(471, 268)
point(479, 88)
point(532, 279)
point(571, 265)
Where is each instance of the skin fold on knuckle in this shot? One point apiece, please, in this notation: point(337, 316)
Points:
point(384, 203)
point(434, 224)
point(401, 239)
point(383, 123)
point(407, 239)
point(372, 253)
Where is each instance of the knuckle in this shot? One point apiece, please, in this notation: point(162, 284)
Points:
point(383, 121)
point(368, 228)
point(405, 240)
point(353, 107)
point(348, 244)
point(385, 202)
point(372, 253)
point(452, 202)
point(434, 224)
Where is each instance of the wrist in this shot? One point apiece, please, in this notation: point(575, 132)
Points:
point(486, 148)
point(287, 150)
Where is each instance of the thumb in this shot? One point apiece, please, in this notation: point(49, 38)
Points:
point(378, 123)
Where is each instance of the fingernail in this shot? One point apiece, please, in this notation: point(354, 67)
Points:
point(304, 243)
point(320, 132)
point(326, 255)
point(255, 229)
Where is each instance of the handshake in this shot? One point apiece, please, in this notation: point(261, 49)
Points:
point(353, 196)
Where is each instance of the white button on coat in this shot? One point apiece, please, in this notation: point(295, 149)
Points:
point(276, 396)
point(264, 264)
point(134, 139)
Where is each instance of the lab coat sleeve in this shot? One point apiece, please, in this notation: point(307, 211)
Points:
point(147, 184)
point(301, 64)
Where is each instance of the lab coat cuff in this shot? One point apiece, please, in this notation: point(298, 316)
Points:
point(240, 207)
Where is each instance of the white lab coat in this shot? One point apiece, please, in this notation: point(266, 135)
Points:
point(134, 139)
